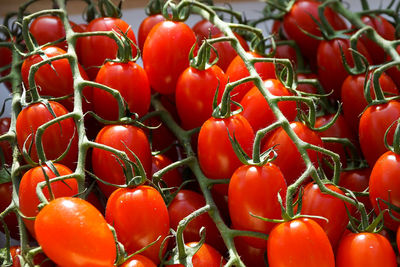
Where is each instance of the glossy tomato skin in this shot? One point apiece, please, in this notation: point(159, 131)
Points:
point(172, 178)
point(122, 137)
point(254, 190)
point(145, 27)
point(139, 216)
point(379, 118)
point(5, 59)
point(72, 232)
point(365, 250)
point(55, 139)
point(170, 41)
point(221, 161)
point(11, 218)
point(90, 46)
point(289, 159)
point(139, 261)
point(250, 256)
point(5, 146)
point(203, 29)
point(39, 259)
point(130, 80)
point(299, 243)
point(357, 181)
point(195, 92)
point(384, 181)
point(256, 109)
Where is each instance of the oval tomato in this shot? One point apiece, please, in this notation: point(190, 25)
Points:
point(10, 219)
point(203, 29)
point(172, 178)
point(250, 256)
point(5, 146)
point(357, 181)
point(39, 259)
point(145, 27)
point(138, 261)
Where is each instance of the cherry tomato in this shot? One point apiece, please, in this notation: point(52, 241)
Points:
point(203, 29)
point(72, 232)
point(39, 259)
point(139, 216)
point(250, 256)
point(145, 27)
point(398, 239)
point(10, 219)
point(138, 261)
point(107, 166)
point(286, 51)
point(55, 139)
point(5, 146)
point(254, 190)
point(306, 87)
point(5, 59)
point(393, 72)
point(366, 250)
point(171, 42)
point(357, 181)
point(172, 178)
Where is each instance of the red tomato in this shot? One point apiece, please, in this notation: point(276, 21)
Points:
point(221, 161)
point(384, 182)
point(237, 70)
point(28, 200)
point(299, 243)
point(286, 51)
point(186, 202)
point(254, 190)
point(306, 87)
point(172, 178)
point(11, 219)
point(138, 261)
point(94, 50)
point(139, 216)
point(357, 181)
point(195, 92)
point(5, 59)
point(55, 139)
point(5, 146)
point(398, 239)
point(250, 256)
point(378, 118)
point(393, 72)
point(122, 137)
point(256, 109)
point(74, 233)
point(365, 250)
point(145, 27)
point(130, 80)
point(289, 159)
point(39, 259)
point(203, 29)
point(172, 42)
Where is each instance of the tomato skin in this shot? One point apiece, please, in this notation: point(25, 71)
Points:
point(11, 218)
point(39, 259)
point(55, 139)
point(254, 189)
point(195, 92)
point(145, 27)
point(6, 59)
point(139, 216)
point(289, 159)
point(256, 109)
point(221, 161)
point(365, 250)
point(204, 29)
point(250, 256)
point(357, 181)
point(90, 46)
point(379, 118)
point(72, 232)
point(384, 179)
point(299, 243)
point(105, 164)
point(172, 42)
point(139, 261)
point(398, 239)
point(5, 146)
point(172, 178)
point(130, 80)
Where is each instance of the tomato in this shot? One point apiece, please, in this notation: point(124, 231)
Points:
point(145, 27)
point(393, 72)
point(331, 71)
point(256, 109)
point(379, 118)
point(250, 256)
point(289, 159)
point(353, 100)
point(205, 256)
point(203, 29)
point(254, 190)
point(366, 250)
point(55, 138)
point(357, 181)
point(314, 202)
point(186, 202)
point(139, 216)
point(237, 70)
point(130, 80)
point(138, 261)
point(126, 138)
point(72, 232)
point(383, 183)
point(28, 200)
point(195, 92)
point(286, 51)
point(10, 219)
point(39, 259)
point(5, 59)
point(166, 54)
point(89, 47)
point(221, 161)
point(172, 178)
point(306, 87)
point(56, 79)
point(5, 146)
point(398, 239)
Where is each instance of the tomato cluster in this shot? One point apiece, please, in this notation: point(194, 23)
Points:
point(219, 148)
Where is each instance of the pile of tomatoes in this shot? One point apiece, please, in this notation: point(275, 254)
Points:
point(224, 148)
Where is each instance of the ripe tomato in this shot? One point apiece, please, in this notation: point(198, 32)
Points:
point(139, 216)
point(221, 161)
point(299, 243)
point(55, 139)
point(122, 137)
point(11, 219)
point(5, 59)
point(250, 256)
point(28, 200)
point(195, 92)
point(5, 146)
point(289, 159)
point(203, 29)
point(172, 42)
point(254, 190)
point(72, 232)
point(130, 80)
point(398, 239)
point(357, 181)
point(138, 261)
point(365, 250)
point(393, 72)
point(383, 183)
point(145, 27)
point(172, 178)
point(39, 259)
point(89, 47)
point(286, 51)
